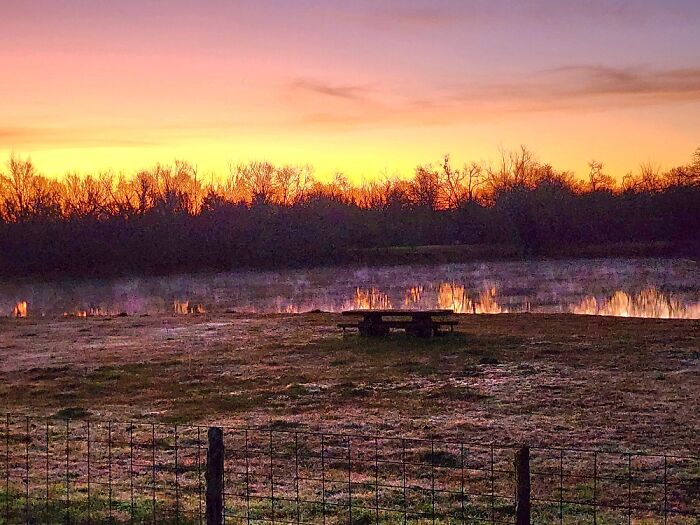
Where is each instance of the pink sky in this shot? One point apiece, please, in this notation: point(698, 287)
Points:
point(363, 87)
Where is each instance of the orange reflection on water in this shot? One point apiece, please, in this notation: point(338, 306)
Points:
point(371, 299)
point(650, 302)
point(20, 309)
point(453, 296)
point(487, 303)
point(184, 307)
point(92, 312)
point(413, 296)
point(294, 309)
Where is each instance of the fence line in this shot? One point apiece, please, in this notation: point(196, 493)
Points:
point(87, 471)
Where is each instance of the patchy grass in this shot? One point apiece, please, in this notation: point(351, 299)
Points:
point(101, 510)
point(72, 413)
point(542, 379)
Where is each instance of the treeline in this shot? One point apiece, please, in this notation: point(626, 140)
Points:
point(170, 219)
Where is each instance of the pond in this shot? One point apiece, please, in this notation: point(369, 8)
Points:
point(661, 288)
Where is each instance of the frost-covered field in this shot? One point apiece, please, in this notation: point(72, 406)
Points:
point(544, 379)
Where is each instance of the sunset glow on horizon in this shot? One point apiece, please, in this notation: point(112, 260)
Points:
point(366, 88)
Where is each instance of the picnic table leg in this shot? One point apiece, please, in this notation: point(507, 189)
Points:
point(422, 327)
point(373, 326)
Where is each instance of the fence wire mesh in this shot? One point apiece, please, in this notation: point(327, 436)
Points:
point(594, 486)
point(302, 477)
point(79, 471)
point(68, 471)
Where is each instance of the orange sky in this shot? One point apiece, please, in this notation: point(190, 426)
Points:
point(363, 87)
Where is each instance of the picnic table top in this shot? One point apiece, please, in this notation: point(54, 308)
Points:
point(365, 312)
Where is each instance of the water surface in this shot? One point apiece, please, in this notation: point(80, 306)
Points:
point(664, 288)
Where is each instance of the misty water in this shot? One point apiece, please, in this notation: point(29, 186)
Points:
point(626, 287)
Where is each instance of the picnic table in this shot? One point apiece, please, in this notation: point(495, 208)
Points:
point(421, 323)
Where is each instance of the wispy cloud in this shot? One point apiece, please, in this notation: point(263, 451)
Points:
point(571, 88)
point(589, 87)
point(356, 92)
point(138, 135)
point(54, 137)
point(586, 80)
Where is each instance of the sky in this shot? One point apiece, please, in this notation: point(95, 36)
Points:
point(366, 87)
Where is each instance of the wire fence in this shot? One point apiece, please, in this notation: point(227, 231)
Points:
point(86, 471)
point(594, 486)
point(65, 471)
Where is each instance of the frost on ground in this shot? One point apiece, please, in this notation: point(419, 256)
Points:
point(542, 379)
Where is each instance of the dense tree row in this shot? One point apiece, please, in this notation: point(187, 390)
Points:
point(167, 219)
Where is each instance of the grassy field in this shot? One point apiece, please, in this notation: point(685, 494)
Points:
point(541, 379)
point(456, 253)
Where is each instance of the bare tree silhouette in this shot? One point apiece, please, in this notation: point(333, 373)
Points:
point(166, 218)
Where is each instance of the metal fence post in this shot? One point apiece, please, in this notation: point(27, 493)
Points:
point(522, 479)
point(215, 477)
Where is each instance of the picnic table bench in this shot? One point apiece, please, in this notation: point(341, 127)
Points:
point(421, 323)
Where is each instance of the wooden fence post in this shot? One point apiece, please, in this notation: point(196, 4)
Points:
point(522, 479)
point(215, 477)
